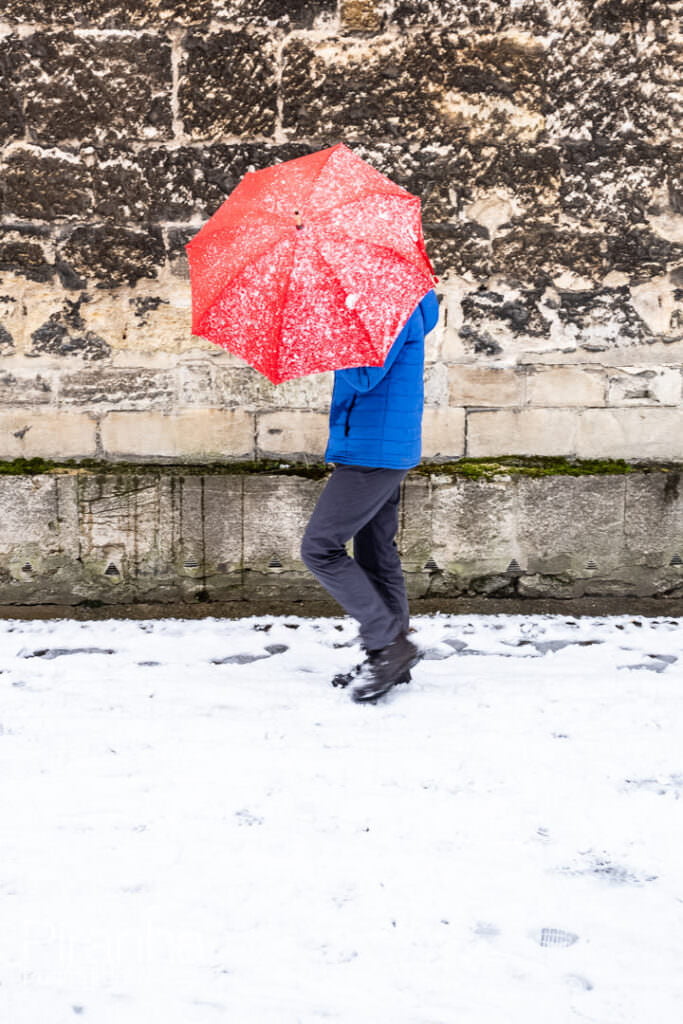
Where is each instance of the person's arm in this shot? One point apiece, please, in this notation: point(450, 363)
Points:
point(365, 378)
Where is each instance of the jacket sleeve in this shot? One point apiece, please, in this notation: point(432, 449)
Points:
point(423, 319)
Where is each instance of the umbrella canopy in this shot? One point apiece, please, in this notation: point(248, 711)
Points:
point(310, 265)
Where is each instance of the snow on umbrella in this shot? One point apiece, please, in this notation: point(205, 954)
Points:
point(313, 264)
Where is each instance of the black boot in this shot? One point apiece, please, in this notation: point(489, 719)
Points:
point(385, 668)
point(343, 679)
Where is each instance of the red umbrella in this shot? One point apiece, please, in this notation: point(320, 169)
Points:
point(314, 264)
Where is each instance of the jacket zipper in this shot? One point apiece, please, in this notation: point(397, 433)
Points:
point(348, 415)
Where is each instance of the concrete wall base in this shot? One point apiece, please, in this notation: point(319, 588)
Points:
point(74, 537)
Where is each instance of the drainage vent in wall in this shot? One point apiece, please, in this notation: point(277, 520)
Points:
point(430, 566)
point(676, 560)
point(514, 568)
point(191, 563)
point(274, 563)
point(27, 567)
point(111, 570)
point(590, 565)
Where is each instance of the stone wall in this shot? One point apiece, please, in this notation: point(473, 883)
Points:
point(165, 534)
point(544, 140)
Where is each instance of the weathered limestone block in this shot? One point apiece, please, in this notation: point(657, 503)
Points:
point(157, 319)
point(443, 433)
point(599, 319)
point(21, 388)
point(480, 385)
point(194, 434)
point(11, 314)
point(11, 113)
point(56, 327)
point(228, 84)
point(38, 542)
point(522, 432)
point(473, 525)
point(111, 254)
point(276, 511)
point(295, 433)
point(245, 388)
point(659, 303)
point(98, 388)
point(390, 94)
point(436, 384)
point(565, 386)
point(28, 250)
point(38, 432)
point(565, 522)
point(638, 385)
point(97, 87)
point(45, 185)
point(492, 322)
point(640, 433)
point(653, 519)
point(414, 539)
point(62, 323)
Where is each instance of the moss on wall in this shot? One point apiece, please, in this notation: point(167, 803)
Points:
point(473, 469)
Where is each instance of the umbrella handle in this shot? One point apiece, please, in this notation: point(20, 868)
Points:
point(298, 221)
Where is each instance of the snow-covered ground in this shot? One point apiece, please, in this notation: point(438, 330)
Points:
point(196, 827)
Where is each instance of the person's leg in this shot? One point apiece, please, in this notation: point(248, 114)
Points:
point(352, 497)
point(374, 548)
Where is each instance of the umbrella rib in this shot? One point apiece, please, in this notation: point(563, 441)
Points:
point(333, 275)
point(224, 285)
point(404, 196)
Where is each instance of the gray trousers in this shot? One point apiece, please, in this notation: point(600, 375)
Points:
point(362, 503)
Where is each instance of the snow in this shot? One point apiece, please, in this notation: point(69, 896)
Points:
point(191, 839)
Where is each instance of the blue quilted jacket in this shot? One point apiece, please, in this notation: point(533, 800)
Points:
point(376, 411)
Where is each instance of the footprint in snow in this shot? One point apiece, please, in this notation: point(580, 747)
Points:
point(246, 659)
point(58, 652)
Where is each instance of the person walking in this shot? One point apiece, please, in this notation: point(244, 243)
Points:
point(375, 437)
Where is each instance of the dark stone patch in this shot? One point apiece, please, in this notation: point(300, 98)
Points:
point(113, 255)
point(6, 341)
point(462, 247)
point(25, 390)
point(23, 251)
point(609, 14)
point(58, 652)
point(64, 334)
point(611, 86)
point(142, 305)
point(401, 90)
point(228, 84)
point(538, 251)
point(11, 115)
point(447, 177)
point(141, 13)
point(44, 187)
point(520, 315)
point(159, 184)
point(483, 15)
point(642, 255)
point(123, 387)
point(277, 648)
point(611, 181)
point(604, 306)
point(77, 88)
